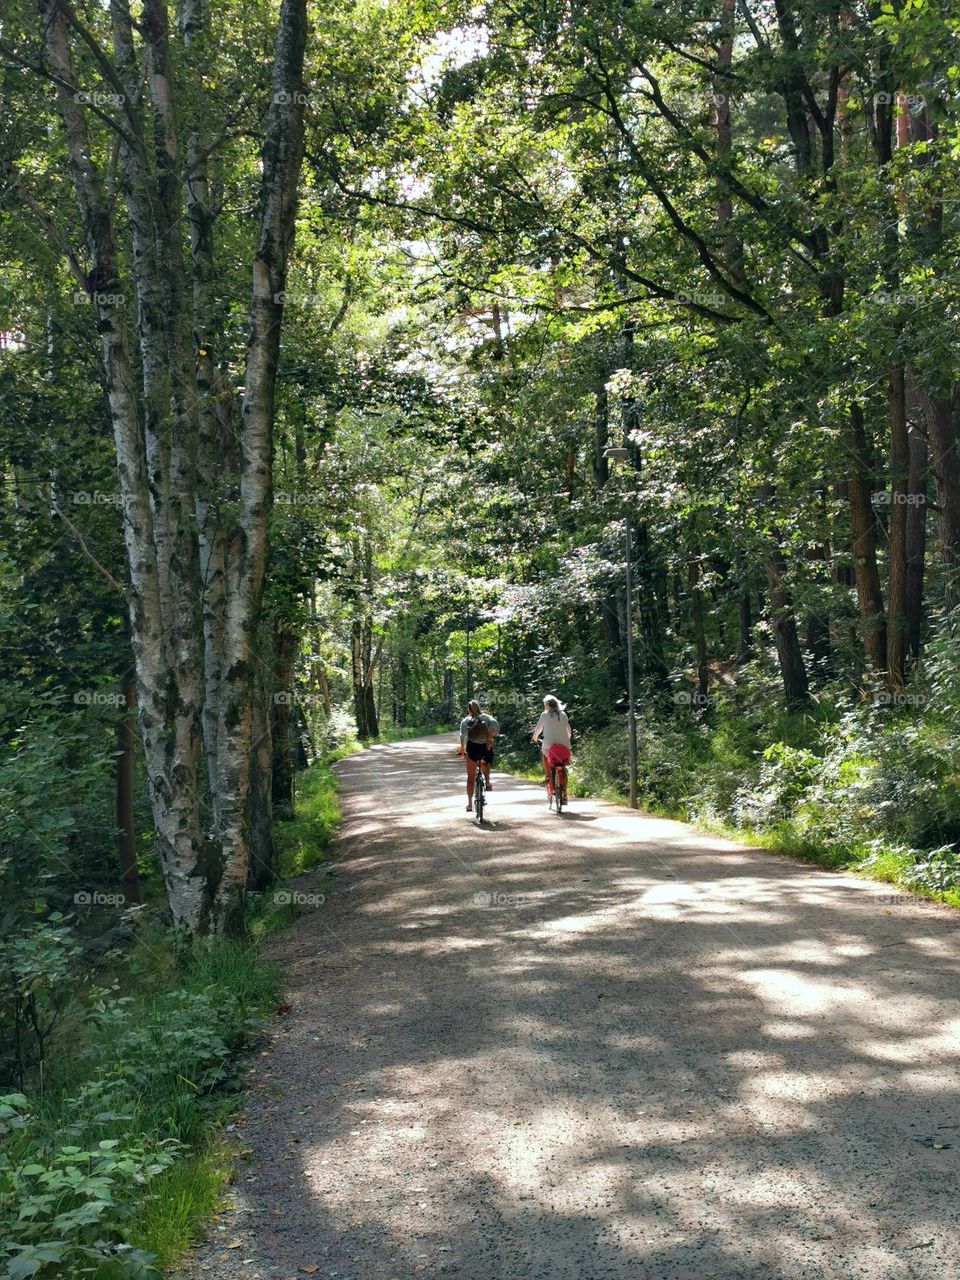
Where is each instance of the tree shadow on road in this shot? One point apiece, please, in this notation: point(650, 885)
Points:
point(646, 1052)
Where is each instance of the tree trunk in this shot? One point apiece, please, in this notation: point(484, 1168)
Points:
point(818, 622)
point(945, 457)
point(609, 622)
point(285, 646)
point(126, 759)
point(897, 537)
point(363, 668)
point(217, 407)
point(744, 619)
point(356, 670)
point(864, 546)
point(699, 627)
point(916, 541)
point(369, 669)
point(153, 462)
point(324, 688)
point(939, 404)
point(246, 549)
point(262, 870)
point(448, 711)
point(792, 670)
point(400, 677)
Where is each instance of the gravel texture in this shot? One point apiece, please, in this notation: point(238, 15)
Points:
point(597, 1046)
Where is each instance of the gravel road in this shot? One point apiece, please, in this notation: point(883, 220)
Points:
point(596, 1046)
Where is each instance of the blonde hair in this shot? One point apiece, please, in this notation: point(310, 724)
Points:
point(473, 706)
point(552, 704)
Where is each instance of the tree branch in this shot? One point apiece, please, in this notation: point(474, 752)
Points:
point(53, 232)
point(88, 553)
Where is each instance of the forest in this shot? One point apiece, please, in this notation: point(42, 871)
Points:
point(318, 322)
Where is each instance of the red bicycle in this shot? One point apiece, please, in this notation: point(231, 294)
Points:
point(558, 757)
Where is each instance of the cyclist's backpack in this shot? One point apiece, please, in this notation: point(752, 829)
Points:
point(476, 730)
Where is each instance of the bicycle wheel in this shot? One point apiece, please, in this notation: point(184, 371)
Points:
point(552, 788)
point(560, 788)
point(478, 795)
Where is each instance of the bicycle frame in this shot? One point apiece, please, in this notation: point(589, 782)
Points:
point(555, 798)
point(479, 792)
point(558, 786)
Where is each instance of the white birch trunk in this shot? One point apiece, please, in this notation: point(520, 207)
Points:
point(167, 718)
point(246, 551)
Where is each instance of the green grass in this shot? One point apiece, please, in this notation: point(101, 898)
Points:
point(185, 1198)
point(395, 734)
point(303, 840)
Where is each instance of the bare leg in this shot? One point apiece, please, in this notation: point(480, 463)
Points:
point(546, 769)
point(471, 774)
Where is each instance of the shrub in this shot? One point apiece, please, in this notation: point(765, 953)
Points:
point(64, 1209)
point(36, 987)
point(937, 871)
point(785, 775)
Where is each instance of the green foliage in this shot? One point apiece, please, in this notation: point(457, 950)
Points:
point(65, 1210)
point(121, 1130)
point(55, 816)
point(185, 1198)
point(36, 986)
point(936, 872)
point(303, 840)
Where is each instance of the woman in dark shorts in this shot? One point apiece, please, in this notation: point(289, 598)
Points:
point(477, 731)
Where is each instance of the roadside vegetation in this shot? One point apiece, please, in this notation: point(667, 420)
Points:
point(466, 315)
point(126, 1046)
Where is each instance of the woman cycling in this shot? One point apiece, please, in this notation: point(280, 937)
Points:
point(477, 731)
point(554, 727)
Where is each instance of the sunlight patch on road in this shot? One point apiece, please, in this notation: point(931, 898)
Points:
point(784, 1030)
point(804, 995)
point(907, 1050)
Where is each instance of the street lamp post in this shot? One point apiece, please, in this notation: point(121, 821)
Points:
point(469, 672)
point(624, 455)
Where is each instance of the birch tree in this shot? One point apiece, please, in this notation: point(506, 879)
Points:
point(192, 649)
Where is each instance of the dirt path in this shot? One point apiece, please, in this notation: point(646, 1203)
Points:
point(595, 1046)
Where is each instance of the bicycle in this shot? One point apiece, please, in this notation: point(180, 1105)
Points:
point(479, 793)
point(557, 791)
point(557, 795)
